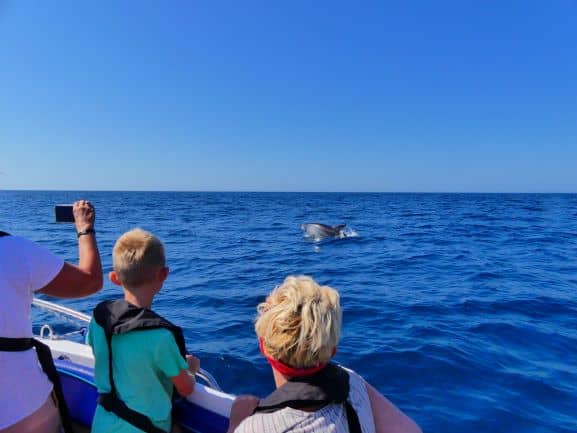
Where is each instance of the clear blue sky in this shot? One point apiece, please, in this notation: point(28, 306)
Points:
point(289, 96)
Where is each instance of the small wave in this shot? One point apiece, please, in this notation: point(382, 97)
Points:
point(411, 234)
point(484, 276)
point(537, 307)
point(425, 226)
point(533, 208)
point(350, 233)
point(426, 256)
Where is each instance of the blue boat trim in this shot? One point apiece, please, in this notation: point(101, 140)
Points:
point(81, 397)
point(81, 372)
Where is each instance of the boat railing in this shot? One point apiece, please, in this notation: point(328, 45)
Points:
point(85, 318)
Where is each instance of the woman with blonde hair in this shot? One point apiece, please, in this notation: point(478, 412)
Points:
point(298, 329)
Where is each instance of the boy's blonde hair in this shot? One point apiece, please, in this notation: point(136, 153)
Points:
point(137, 254)
point(300, 322)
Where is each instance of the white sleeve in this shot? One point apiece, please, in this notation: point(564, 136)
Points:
point(43, 266)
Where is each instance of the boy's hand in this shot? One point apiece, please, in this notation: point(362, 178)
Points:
point(193, 363)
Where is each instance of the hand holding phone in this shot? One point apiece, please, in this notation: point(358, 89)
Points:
point(81, 213)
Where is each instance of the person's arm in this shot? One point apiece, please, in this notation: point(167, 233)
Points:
point(242, 407)
point(76, 281)
point(173, 366)
point(184, 383)
point(388, 418)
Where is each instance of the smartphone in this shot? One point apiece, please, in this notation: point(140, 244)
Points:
point(63, 213)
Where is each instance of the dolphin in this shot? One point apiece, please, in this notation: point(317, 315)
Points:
point(321, 231)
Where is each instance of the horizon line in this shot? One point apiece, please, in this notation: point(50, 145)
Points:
point(281, 192)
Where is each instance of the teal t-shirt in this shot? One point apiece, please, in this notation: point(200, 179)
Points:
point(143, 363)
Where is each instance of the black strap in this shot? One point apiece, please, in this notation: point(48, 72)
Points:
point(85, 232)
point(113, 404)
point(15, 344)
point(352, 418)
point(47, 363)
point(120, 317)
point(329, 386)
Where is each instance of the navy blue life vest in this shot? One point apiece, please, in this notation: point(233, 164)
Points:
point(119, 317)
point(328, 386)
point(46, 362)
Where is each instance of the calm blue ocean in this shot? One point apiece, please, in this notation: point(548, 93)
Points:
point(461, 308)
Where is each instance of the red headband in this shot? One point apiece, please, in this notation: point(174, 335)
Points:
point(287, 370)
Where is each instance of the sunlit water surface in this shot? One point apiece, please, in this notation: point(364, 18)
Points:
point(462, 309)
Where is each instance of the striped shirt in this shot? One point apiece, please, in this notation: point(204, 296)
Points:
point(330, 419)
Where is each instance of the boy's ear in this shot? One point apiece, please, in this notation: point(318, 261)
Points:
point(113, 276)
point(163, 273)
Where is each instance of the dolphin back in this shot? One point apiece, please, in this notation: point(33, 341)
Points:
point(319, 231)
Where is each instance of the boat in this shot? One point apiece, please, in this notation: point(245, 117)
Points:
point(205, 410)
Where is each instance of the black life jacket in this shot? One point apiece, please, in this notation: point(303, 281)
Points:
point(46, 362)
point(330, 385)
point(119, 317)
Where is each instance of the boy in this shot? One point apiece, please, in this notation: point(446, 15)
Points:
point(145, 351)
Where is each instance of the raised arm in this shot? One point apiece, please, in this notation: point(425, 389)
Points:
point(76, 281)
point(388, 418)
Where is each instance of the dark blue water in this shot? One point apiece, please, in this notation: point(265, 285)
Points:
point(462, 309)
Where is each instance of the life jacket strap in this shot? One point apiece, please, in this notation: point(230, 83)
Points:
point(113, 404)
point(328, 386)
point(120, 317)
point(352, 418)
point(47, 363)
point(15, 344)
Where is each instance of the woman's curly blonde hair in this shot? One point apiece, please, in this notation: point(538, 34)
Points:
point(300, 322)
